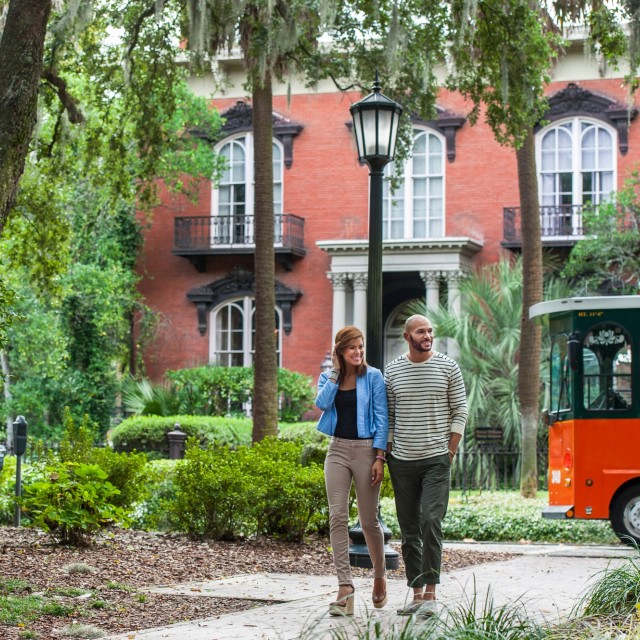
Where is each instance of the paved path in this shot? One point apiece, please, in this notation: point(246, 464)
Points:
point(546, 579)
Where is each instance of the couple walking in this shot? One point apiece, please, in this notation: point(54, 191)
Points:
point(413, 420)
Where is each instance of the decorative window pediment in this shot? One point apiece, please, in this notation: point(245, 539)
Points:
point(446, 123)
point(239, 118)
point(577, 101)
point(239, 282)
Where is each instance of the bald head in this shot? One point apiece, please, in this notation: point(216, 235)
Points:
point(418, 333)
point(411, 321)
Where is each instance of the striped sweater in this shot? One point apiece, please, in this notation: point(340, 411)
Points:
point(427, 402)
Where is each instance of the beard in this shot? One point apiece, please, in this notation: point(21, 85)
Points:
point(417, 345)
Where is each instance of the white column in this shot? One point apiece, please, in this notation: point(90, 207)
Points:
point(360, 301)
point(453, 297)
point(339, 282)
point(453, 302)
point(431, 281)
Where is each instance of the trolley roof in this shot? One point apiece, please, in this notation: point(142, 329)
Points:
point(587, 304)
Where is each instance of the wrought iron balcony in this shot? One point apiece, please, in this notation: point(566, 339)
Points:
point(196, 237)
point(560, 225)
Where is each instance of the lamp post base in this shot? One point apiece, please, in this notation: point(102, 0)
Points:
point(359, 552)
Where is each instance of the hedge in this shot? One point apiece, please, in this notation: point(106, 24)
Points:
point(149, 433)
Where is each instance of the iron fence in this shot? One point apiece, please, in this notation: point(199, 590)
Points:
point(493, 469)
point(197, 233)
point(555, 221)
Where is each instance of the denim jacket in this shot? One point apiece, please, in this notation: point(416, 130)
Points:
point(372, 416)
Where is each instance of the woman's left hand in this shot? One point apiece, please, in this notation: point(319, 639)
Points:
point(377, 472)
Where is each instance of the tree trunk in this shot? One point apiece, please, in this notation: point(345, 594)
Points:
point(21, 54)
point(265, 365)
point(530, 334)
point(6, 374)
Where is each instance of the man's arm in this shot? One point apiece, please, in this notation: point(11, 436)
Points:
point(457, 402)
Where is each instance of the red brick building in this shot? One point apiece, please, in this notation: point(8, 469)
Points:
point(458, 208)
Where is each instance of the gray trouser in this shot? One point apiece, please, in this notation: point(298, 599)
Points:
point(421, 489)
point(347, 460)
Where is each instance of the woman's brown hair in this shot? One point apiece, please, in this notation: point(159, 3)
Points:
point(344, 338)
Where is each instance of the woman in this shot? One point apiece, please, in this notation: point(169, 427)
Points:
point(353, 399)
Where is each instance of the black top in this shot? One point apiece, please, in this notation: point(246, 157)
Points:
point(346, 405)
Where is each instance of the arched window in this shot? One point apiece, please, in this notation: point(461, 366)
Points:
point(576, 160)
point(232, 341)
point(415, 209)
point(233, 196)
point(394, 343)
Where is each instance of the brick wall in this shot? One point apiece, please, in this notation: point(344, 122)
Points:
point(329, 189)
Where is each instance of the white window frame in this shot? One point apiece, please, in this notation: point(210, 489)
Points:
point(577, 134)
point(405, 194)
point(278, 177)
point(246, 304)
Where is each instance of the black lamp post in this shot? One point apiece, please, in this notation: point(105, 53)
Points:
point(375, 123)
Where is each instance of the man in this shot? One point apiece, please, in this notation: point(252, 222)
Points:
point(427, 417)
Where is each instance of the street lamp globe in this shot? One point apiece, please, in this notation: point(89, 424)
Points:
point(375, 124)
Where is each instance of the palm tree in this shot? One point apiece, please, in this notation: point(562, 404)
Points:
point(488, 333)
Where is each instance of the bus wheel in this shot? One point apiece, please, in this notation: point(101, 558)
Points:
point(625, 514)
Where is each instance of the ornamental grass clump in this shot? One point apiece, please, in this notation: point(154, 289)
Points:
point(86, 631)
point(617, 591)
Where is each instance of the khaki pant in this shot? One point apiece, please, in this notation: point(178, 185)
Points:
point(349, 460)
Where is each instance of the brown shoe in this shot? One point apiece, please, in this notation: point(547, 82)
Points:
point(379, 596)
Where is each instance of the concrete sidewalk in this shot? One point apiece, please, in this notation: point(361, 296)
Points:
point(546, 579)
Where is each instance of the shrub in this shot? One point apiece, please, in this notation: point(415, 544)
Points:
point(124, 470)
point(263, 489)
point(153, 512)
point(149, 433)
point(285, 504)
point(296, 395)
point(508, 517)
point(30, 473)
point(220, 391)
point(213, 493)
point(212, 391)
point(73, 503)
point(304, 432)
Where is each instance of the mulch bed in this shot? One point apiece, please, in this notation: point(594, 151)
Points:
point(124, 561)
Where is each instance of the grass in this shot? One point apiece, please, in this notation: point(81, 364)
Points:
point(118, 586)
point(20, 609)
point(69, 592)
point(14, 585)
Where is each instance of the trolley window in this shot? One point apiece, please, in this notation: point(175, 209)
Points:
point(606, 362)
point(560, 375)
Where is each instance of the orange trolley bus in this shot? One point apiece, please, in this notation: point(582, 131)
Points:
point(594, 410)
